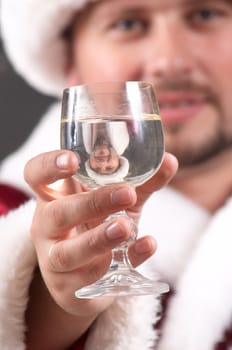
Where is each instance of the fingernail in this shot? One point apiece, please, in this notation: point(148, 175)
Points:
point(142, 247)
point(62, 161)
point(114, 231)
point(121, 196)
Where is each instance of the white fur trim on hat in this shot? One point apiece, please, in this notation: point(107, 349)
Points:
point(31, 31)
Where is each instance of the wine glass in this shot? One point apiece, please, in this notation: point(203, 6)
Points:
point(116, 131)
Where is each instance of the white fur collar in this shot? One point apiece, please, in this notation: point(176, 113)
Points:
point(195, 257)
point(18, 260)
point(201, 311)
point(127, 324)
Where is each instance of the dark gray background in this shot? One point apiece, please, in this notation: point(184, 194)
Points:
point(20, 107)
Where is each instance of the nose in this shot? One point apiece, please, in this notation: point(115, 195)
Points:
point(170, 55)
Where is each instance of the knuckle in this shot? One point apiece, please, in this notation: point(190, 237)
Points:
point(47, 166)
point(36, 165)
point(96, 204)
point(96, 245)
point(55, 213)
point(58, 258)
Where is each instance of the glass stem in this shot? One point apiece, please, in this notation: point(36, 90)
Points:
point(120, 259)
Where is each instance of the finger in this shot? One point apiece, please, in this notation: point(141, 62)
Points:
point(164, 175)
point(49, 167)
point(63, 214)
point(142, 249)
point(70, 254)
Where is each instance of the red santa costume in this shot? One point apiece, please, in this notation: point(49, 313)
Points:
point(194, 248)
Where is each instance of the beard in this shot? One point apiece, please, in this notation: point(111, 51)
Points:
point(201, 138)
point(190, 155)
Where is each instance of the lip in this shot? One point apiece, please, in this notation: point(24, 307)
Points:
point(177, 108)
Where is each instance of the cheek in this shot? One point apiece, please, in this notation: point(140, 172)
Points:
point(222, 73)
point(216, 55)
point(214, 59)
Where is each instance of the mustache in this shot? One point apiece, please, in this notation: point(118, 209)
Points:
point(184, 85)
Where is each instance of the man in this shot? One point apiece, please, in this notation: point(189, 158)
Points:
point(182, 46)
point(105, 149)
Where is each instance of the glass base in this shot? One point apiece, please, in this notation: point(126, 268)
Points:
point(122, 283)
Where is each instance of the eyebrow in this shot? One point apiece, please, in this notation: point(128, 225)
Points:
point(202, 2)
point(192, 2)
point(136, 8)
point(131, 9)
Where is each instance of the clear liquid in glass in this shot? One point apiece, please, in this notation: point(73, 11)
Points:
point(114, 149)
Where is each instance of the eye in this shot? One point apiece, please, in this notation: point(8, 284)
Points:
point(130, 25)
point(205, 15)
point(210, 16)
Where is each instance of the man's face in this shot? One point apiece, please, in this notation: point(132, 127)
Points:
point(104, 159)
point(183, 46)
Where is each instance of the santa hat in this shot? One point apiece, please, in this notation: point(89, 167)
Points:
point(31, 32)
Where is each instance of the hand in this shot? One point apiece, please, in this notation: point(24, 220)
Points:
point(72, 244)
